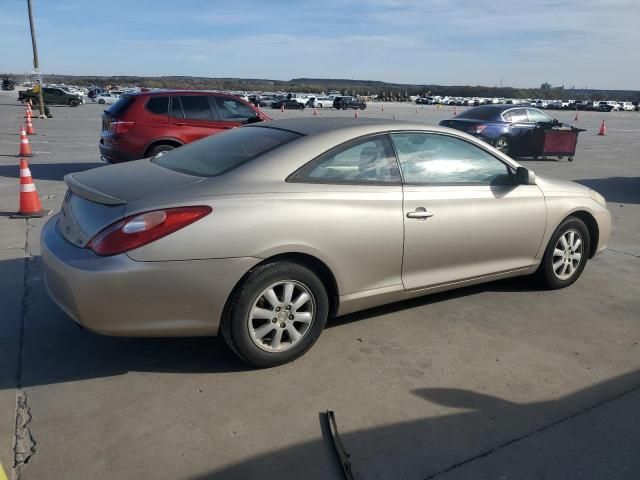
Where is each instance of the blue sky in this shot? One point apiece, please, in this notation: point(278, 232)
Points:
point(524, 42)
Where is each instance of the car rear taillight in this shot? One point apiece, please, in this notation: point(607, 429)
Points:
point(143, 228)
point(475, 129)
point(120, 127)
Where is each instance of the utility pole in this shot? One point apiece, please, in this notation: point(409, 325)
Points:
point(36, 68)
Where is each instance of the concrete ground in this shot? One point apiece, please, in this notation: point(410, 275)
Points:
point(497, 381)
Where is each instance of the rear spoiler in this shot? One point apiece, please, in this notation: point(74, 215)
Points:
point(89, 193)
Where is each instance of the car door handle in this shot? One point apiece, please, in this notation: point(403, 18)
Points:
point(420, 213)
point(180, 124)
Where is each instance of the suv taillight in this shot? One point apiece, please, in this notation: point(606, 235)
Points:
point(119, 127)
point(143, 228)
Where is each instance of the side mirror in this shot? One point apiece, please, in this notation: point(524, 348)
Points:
point(524, 176)
point(254, 119)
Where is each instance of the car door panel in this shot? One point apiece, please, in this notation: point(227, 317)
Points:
point(474, 231)
point(194, 124)
point(464, 216)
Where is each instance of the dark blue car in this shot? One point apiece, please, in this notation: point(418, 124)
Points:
point(509, 128)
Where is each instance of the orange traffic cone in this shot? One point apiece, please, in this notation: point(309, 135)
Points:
point(455, 111)
point(315, 112)
point(282, 107)
point(357, 114)
point(603, 129)
point(30, 129)
point(576, 118)
point(30, 206)
point(382, 110)
point(27, 112)
point(25, 148)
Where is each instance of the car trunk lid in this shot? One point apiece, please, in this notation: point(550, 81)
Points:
point(97, 198)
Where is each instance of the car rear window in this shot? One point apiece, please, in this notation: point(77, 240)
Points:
point(480, 113)
point(225, 151)
point(118, 108)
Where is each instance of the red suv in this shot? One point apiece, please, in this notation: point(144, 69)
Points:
point(143, 124)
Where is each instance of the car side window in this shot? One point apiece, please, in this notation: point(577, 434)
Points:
point(196, 107)
point(158, 105)
point(519, 115)
point(176, 108)
point(538, 116)
point(368, 160)
point(232, 110)
point(433, 159)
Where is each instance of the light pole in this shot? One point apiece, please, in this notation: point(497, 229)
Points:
point(35, 60)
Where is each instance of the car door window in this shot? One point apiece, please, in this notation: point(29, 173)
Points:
point(196, 107)
point(519, 115)
point(369, 160)
point(538, 116)
point(158, 105)
point(232, 110)
point(176, 108)
point(432, 159)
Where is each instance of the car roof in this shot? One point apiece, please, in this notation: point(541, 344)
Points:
point(315, 125)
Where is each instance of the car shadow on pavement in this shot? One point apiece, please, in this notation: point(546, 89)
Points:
point(56, 350)
point(515, 284)
point(570, 441)
point(615, 189)
point(48, 171)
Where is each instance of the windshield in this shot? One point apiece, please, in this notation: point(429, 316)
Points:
point(220, 153)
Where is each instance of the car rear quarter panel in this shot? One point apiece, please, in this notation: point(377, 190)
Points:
point(356, 231)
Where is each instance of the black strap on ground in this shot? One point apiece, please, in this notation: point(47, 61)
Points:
point(342, 453)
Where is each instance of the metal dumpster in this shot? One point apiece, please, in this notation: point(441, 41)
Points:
point(555, 140)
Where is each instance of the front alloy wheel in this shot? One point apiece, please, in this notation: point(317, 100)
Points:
point(566, 254)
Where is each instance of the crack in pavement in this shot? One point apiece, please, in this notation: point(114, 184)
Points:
point(24, 447)
point(508, 443)
point(623, 253)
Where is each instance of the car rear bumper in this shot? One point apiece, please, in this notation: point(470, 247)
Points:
point(110, 154)
point(123, 297)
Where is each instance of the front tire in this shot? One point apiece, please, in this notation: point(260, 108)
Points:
point(276, 314)
point(101, 101)
point(566, 254)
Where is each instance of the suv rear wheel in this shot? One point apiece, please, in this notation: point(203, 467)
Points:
point(160, 149)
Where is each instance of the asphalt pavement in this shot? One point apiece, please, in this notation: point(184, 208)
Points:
point(502, 380)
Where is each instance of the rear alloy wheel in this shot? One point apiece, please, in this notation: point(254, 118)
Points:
point(276, 315)
point(157, 150)
point(566, 254)
point(503, 144)
point(73, 103)
point(101, 101)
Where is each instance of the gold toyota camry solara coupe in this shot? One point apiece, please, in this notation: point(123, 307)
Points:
point(263, 232)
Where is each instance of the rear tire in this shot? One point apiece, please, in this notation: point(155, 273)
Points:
point(101, 101)
point(248, 325)
point(503, 143)
point(73, 103)
point(566, 254)
point(159, 149)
